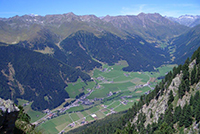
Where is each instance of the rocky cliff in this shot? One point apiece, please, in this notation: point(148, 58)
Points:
point(8, 115)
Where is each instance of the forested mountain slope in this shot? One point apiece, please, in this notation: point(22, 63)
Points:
point(82, 48)
point(110, 48)
point(172, 107)
point(186, 44)
point(35, 77)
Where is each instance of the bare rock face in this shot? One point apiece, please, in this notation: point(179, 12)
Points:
point(8, 116)
point(158, 107)
point(191, 65)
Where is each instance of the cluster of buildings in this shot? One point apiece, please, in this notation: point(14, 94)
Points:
point(109, 94)
point(112, 93)
point(101, 78)
point(126, 74)
point(105, 70)
point(75, 104)
point(81, 100)
point(128, 96)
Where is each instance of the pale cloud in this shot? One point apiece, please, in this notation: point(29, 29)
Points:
point(136, 9)
point(133, 10)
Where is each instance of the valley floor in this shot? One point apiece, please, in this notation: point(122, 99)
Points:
point(112, 90)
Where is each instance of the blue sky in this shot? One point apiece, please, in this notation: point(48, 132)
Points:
point(174, 8)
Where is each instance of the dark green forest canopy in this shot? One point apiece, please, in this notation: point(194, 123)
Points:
point(39, 75)
point(110, 49)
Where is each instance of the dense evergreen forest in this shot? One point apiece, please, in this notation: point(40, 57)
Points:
point(175, 118)
point(109, 48)
point(34, 76)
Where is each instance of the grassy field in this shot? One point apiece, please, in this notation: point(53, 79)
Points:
point(110, 79)
point(115, 104)
point(75, 109)
point(55, 125)
point(35, 115)
point(21, 101)
point(48, 128)
point(74, 116)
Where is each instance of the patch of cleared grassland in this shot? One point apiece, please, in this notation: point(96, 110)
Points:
point(47, 50)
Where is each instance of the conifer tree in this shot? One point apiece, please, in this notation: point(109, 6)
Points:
point(164, 129)
point(198, 74)
point(171, 98)
point(197, 113)
point(169, 116)
point(182, 117)
point(181, 89)
point(177, 114)
point(187, 115)
point(193, 75)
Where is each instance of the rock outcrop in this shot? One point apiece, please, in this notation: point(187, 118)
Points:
point(8, 115)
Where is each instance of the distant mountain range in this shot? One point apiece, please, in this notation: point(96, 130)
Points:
point(187, 20)
point(152, 27)
point(38, 48)
point(149, 26)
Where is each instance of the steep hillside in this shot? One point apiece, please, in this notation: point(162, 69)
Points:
point(45, 42)
point(172, 107)
point(186, 44)
point(35, 77)
point(110, 48)
point(82, 48)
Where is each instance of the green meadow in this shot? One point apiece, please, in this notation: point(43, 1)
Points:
point(108, 79)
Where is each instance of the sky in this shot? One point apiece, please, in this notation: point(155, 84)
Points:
point(171, 8)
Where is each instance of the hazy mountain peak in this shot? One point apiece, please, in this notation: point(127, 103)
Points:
point(71, 14)
point(89, 18)
point(187, 20)
point(65, 24)
point(149, 14)
point(188, 17)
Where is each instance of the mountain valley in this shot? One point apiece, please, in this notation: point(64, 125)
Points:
point(67, 70)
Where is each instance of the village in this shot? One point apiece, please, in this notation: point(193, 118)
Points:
point(83, 103)
point(89, 102)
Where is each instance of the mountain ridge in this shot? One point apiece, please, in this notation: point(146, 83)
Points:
point(187, 20)
point(65, 24)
